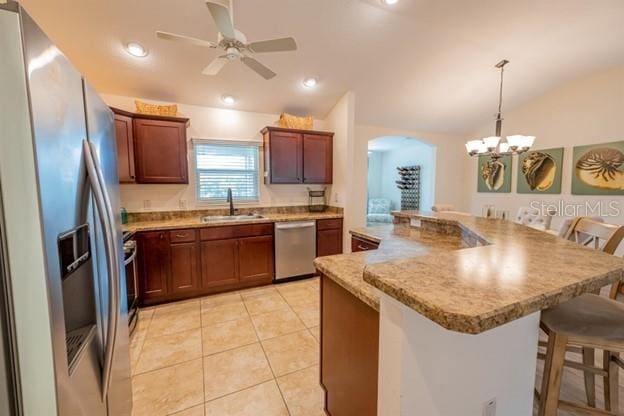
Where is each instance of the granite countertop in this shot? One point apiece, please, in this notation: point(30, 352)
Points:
point(513, 271)
point(396, 242)
point(195, 222)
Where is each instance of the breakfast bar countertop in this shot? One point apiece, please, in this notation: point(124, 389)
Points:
point(395, 242)
point(510, 271)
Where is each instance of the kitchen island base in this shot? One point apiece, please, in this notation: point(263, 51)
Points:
point(429, 370)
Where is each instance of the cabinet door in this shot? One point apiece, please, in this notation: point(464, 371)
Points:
point(285, 157)
point(184, 267)
point(160, 151)
point(125, 148)
point(219, 262)
point(317, 158)
point(154, 255)
point(328, 242)
point(256, 258)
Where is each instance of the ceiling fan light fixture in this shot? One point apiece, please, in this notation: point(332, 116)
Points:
point(389, 2)
point(136, 49)
point(310, 82)
point(228, 99)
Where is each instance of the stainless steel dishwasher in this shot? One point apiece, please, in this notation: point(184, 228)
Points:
point(295, 249)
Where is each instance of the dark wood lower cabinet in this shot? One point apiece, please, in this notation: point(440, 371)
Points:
point(181, 264)
point(328, 237)
point(184, 268)
point(349, 352)
point(255, 256)
point(219, 260)
point(154, 265)
point(361, 244)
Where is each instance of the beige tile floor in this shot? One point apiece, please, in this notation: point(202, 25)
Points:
point(252, 352)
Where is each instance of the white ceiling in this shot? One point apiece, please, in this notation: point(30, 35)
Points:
point(423, 64)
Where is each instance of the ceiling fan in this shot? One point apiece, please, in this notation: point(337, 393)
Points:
point(233, 42)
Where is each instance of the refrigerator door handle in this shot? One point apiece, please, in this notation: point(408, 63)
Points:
point(111, 260)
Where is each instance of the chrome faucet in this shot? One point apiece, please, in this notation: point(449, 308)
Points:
point(230, 200)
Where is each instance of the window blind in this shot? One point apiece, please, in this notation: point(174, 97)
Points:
point(223, 165)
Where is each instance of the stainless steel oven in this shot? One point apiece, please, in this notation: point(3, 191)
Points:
point(132, 282)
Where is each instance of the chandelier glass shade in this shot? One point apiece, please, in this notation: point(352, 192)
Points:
point(497, 146)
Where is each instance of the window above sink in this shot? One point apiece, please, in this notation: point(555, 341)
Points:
point(220, 165)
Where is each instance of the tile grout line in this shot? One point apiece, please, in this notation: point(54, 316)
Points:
point(266, 357)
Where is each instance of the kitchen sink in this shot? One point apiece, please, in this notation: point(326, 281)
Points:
point(219, 218)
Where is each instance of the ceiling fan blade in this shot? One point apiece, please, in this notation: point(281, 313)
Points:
point(273, 45)
point(256, 66)
point(182, 38)
point(221, 15)
point(215, 66)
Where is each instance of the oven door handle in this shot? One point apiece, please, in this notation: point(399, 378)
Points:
point(131, 258)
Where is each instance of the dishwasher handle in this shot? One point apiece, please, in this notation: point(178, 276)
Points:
point(292, 225)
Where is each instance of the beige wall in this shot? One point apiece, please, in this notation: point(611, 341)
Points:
point(209, 123)
point(340, 120)
point(585, 111)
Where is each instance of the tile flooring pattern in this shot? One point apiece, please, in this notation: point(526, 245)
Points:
point(252, 352)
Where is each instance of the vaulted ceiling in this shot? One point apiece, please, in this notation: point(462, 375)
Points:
point(424, 65)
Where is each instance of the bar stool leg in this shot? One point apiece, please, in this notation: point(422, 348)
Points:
point(611, 386)
point(589, 357)
point(553, 372)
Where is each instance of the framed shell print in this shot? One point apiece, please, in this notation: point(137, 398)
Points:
point(598, 169)
point(540, 171)
point(494, 175)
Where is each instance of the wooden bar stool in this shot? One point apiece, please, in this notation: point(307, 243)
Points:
point(589, 322)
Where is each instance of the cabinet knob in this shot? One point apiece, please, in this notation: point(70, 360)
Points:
point(161, 236)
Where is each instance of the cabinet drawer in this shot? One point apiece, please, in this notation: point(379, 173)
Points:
point(330, 224)
point(359, 244)
point(182, 236)
point(235, 231)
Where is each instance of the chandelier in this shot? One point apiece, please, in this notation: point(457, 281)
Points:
point(495, 146)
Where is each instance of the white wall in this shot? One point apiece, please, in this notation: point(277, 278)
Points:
point(585, 111)
point(411, 152)
point(209, 123)
point(340, 120)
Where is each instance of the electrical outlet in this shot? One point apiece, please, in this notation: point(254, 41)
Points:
point(182, 203)
point(489, 407)
point(147, 204)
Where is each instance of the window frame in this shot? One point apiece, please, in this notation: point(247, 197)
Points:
point(231, 143)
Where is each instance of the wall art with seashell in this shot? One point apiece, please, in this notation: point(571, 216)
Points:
point(494, 175)
point(598, 169)
point(540, 171)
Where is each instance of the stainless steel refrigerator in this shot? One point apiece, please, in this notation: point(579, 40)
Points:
point(68, 133)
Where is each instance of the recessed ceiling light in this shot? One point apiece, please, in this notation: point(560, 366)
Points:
point(136, 49)
point(389, 2)
point(310, 82)
point(228, 99)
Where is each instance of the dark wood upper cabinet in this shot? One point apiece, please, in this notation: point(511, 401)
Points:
point(125, 148)
point(154, 264)
point(328, 237)
point(184, 267)
point(151, 149)
point(297, 156)
point(160, 151)
point(219, 262)
point(317, 158)
point(256, 258)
